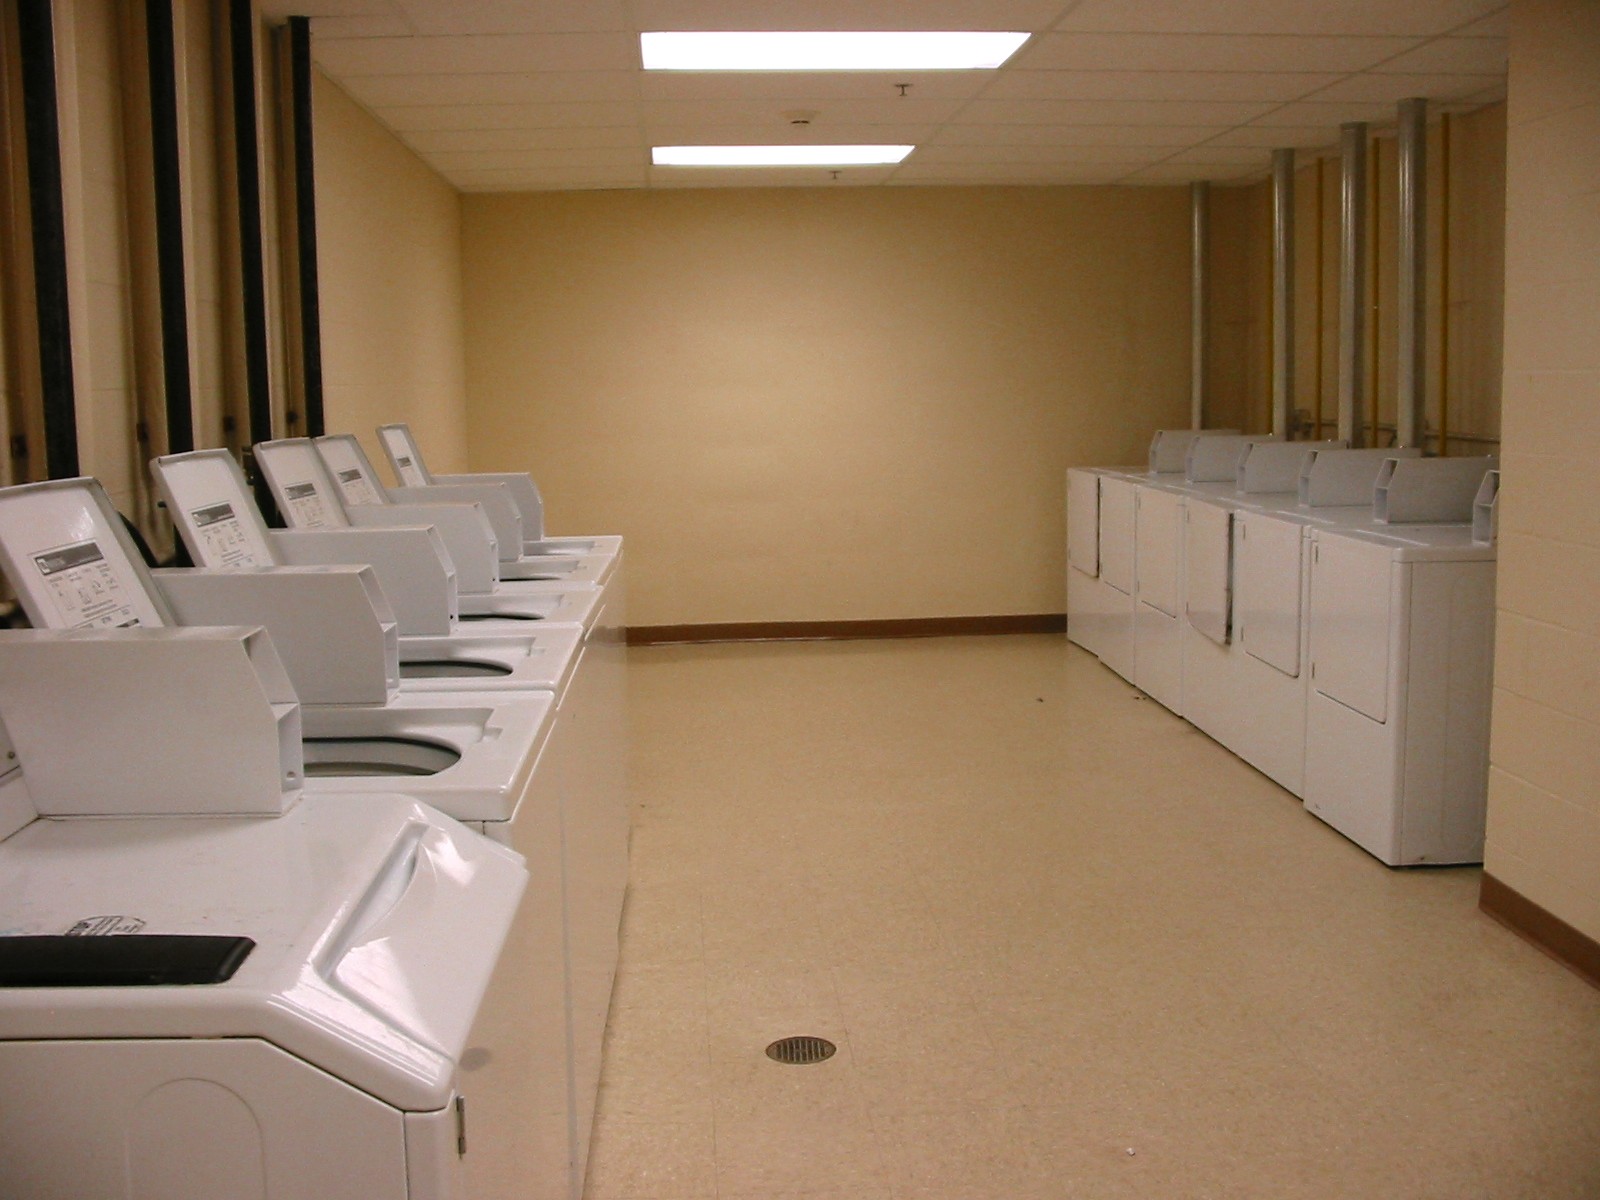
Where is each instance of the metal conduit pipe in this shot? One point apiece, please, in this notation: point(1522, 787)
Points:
point(1200, 244)
point(1352, 279)
point(1410, 385)
point(1283, 294)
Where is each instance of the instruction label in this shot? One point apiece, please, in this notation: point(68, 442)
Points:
point(86, 591)
point(409, 471)
point(306, 506)
point(356, 488)
point(222, 537)
point(105, 926)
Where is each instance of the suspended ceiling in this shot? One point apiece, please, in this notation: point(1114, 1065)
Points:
point(510, 96)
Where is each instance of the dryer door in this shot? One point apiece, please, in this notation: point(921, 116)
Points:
point(1083, 522)
point(1350, 626)
point(1208, 570)
point(1267, 589)
point(1116, 533)
point(1158, 521)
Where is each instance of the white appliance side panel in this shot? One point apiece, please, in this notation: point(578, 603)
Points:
point(1267, 594)
point(1158, 550)
point(191, 1119)
point(1208, 570)
point(516, 1073)
point(1083, 522)
point(1351, 625)
point(1116, 533)
point(1450, 679)
point(1272, 718)
point(1353, 776)
point(1210, 688)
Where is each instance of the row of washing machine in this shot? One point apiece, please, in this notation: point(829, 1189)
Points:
point(1325, 613)
point(305, 847)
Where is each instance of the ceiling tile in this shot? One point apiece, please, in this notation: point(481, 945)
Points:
point(505, 116)
point(471, 55)
point(1360, 18)
point(450, 161)
point(1452, 56)
point(515, 16)
point(1172, 173)
point(1055, 156)
point(829, 85)
point(1257, 86)
point(971, 133)
point(1329, 114)
point(426, 141)
point(857, 14)
point(759, 135)
point(1274, 137)
point(989, 174)
point(776, 115)
point(1212, 155)
point(1495, 25)
point(550, 179)
point(384, 91)
point(1110, 112)
point(1209, 52)
point(1378, 89)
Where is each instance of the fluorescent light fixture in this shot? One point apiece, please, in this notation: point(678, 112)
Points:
point(827, 51)
point(778, 156)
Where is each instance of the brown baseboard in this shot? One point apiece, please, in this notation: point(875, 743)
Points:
point(832, 631)
point(1544, 929)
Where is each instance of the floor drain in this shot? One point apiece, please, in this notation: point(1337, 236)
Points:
point(800, 1050)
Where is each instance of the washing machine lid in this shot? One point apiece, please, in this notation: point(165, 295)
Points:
point(376, 925)
point(71, 561)
point(306, 491)
point(351, 469)
point(209, 502)
point(404, 455)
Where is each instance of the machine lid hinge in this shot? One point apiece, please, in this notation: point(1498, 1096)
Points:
point(461, 1126)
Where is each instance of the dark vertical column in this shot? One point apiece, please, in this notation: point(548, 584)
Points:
point(36, 31)
point(305, 216)
point(247, 175)
point(171, 256)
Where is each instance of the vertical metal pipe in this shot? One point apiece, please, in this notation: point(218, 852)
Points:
point(1444, 284)
point(171, 256)
point(305, 222)
point(1352, 278)
point(247, 171)
point(1283, 294)
point(1411, 412)
point(1200, 248)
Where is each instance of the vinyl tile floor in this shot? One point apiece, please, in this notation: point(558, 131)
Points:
point(1067, 947)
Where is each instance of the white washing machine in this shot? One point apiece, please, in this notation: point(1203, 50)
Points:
point(405, 456)
point(358, 479)
point(276, 1001)
point(210, 505)
point(1401, 646)
point(531, 769)
point(309, 498)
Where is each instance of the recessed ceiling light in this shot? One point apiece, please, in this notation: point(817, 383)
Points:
point(827, 51)
point(778, 156)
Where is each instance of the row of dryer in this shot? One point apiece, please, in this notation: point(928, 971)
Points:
point(1325, 613)
point(306, 846)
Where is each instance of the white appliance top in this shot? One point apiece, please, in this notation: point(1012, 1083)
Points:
point(377, 924)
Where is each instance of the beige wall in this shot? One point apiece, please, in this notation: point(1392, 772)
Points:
point(389, 245)
point(814, 405)
point(1544, 799)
